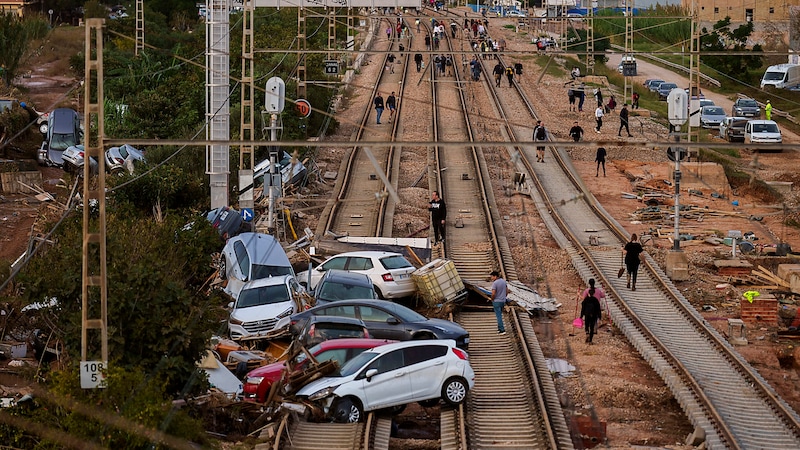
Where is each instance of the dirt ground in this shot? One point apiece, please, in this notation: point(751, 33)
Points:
point(611, 384)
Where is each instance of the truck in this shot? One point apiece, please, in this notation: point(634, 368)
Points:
point(781, 76)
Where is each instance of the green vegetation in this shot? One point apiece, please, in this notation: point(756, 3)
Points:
point(15, 35)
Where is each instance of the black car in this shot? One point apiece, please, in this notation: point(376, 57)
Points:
point(312, 330)
point(387, 320)
point(338, 285)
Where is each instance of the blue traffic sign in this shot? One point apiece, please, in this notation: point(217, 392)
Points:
point(247, 214)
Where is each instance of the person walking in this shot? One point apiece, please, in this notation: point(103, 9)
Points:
point(391, 103)
point(510, 76)
point(632, 256)
point(600, 158)
point(599, 293)
point(598, 117)
point(389, 33)
point(477, 68)
point(499, 294)
point(540, 135)
point(518, 70)
point(580, 94)
point(438, 211)
point(417, 22)
point(571, 98)
point(449, 65)
point(390, 62)
point(378, 107)
point(498, 73)
point(576, 132)
point(768, 110)
point(623, 121)
point(635, 99)
point(418, 60)
point(598, 95)
point(590, 313)
point(453, 28)
point(428, 42)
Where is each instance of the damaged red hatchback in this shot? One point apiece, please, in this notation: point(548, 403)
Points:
point(258, 381)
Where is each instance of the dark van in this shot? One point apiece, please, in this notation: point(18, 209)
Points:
point(63, 131)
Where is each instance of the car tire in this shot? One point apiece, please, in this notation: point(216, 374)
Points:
point(429, 403)
point(348, 410)
point(378, 292)
point(454, 391)
point(43, 128)
point(223, 274)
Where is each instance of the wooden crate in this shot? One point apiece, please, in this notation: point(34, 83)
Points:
point(9, 181)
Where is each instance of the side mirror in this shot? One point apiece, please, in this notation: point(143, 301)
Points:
point(370, 373)
point(230, 305)
point(392, 321)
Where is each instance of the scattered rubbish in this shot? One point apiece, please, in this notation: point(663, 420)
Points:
point(560, 367)
point(717, 195)
point(735, 203)
point(709, 308)
point(695, 192)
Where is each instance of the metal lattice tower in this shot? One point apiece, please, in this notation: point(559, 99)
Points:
point(94, 292)
point(628, 47)
point(139, 27)
point(248, 109)
point(590, 39)
point(331, 33)
point(694, 66)
point(217, 99)
point(302, 45)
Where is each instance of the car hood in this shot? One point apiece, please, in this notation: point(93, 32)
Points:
point(262, 312)
point(323, 383)
point(445, 328)
point(271, 371)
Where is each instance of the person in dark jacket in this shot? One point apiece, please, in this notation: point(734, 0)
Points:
point(631, 252)
point(600, 158)
point(576, 132)
point(438, 211)
point(378, 107)
point(623, 121)
point(418, 60)
point(590, 313)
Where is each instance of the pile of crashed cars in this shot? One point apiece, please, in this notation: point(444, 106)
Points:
point(354, 352)
point(62, 147)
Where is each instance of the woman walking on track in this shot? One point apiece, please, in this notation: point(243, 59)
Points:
point(590, 312)
point(632, 253)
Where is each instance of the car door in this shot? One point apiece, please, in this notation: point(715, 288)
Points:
point(334, 263)
point(391, 386)
point(382, 324)
point(427, 369)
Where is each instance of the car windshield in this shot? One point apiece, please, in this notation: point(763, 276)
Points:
point(339, 291)
point(773, 76)
point(665, 86)
point(261, 271)
point(713, 111)
point(62, 141)
point(748, 103)
point(395, 262)
point(264, 295)
point(355, 364)
point(765, 128)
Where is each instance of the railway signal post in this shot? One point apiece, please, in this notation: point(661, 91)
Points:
point(677, 265)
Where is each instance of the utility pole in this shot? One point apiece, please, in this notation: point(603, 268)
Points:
point(139, 27)
point(246, 163)
point(590, 39)
point(628, 48)
point(217, 99)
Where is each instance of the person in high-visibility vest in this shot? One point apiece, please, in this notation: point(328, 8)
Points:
point(768, 110)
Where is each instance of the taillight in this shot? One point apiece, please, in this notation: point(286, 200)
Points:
point(387, 277)
point(461, 354)
point(80, 154)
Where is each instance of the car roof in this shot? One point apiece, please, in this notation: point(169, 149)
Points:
point(368, 254)
point(62, 120)
point(269, 281)
point(762, 122)
point(413, 343)
point(385, 304)
point(343, 276)
point(352, 343)
point(262, 248)
point(336, 319)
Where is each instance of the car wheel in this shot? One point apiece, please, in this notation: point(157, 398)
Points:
point(378, 291)
point(429, 403)
point(347, 410)
point(43, 128)
point(223, 274)
point(454, 391)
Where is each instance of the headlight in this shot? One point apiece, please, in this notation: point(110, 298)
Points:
point(254, 380)
point(322, 393)
point(234, 321)
point(286, 313)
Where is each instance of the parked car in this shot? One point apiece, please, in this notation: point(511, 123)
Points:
point(74, 158)
point(252, 256)
point(322, 328)
point(342, 285)
point(746, 107)
point(515, 13)
point(226, 220)
point(122, 157)
point(711, 116)
point(732, 129)
point(652, 85)
point(63, 131)
point(664, 89)
point(258, 381)
point(394, 375)
point(762, 132)
point(388, 320)
point(261, 303)
point(390, 272)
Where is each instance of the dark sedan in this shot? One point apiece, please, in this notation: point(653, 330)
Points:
point(387, 320)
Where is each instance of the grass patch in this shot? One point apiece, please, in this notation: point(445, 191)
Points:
point(49, 52)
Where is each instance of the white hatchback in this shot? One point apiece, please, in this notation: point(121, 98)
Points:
point(389, 272)
point(394, 375)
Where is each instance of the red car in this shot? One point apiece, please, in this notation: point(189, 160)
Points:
point(258, 381)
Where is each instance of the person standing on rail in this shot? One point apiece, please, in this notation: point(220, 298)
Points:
point(378, 107)
point(539, 135)
point(598, 117)
point(600, 158)
point(499, 293)
point(632, 254)
point(438, 211)
point(391, 103)
point(576, 132)
point(498, 73)
point(590, 312)
point(623, 121)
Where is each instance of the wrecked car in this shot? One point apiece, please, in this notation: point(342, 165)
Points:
point(261, 303)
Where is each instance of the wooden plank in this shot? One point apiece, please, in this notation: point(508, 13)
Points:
point(10, 181)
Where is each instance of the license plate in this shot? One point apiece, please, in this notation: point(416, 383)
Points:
point(402, 276)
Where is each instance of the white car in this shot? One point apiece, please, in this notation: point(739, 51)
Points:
point(252, 256)
point(514, 13)
point(394, 375)
point(261, 303)
point(389, 272)
point(762, 132)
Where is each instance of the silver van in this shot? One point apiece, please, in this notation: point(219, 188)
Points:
point(252, 256)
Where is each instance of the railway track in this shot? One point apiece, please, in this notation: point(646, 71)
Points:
point(721, 393)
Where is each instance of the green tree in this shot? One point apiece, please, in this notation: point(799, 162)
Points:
point(15, 34)
point(723, 39)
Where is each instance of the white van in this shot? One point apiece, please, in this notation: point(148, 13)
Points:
point(762, 132)
point(781, 76)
